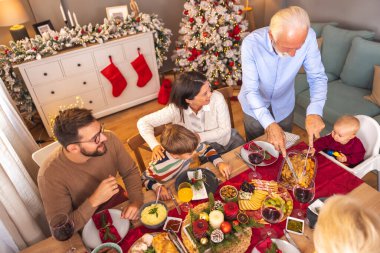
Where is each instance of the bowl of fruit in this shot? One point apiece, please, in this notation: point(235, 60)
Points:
point(228, 193)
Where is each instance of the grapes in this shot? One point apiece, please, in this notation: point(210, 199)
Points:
point(247, 187)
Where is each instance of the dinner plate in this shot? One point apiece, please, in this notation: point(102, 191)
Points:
point(211, 183)
point(284, 246)
point(90, 234)
point(267, 147)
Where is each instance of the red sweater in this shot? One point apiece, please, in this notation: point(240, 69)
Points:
point(353, 150)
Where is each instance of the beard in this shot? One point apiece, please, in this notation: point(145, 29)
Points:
point(97, 152)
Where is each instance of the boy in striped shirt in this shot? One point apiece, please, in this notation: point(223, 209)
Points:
point(180, 146)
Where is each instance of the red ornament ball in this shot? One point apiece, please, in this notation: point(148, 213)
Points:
point(231, 63)
point(191, 20)
point(235, 223)
point(186, 12)
point(225, 227)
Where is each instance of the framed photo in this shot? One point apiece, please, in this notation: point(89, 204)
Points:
point(42, 27)
point(119, 13)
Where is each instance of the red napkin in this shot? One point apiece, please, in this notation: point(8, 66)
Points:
point(265, 245)
point(107, 231)
point(251, 145)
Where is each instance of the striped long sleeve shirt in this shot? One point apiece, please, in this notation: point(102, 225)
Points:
point(169, 167)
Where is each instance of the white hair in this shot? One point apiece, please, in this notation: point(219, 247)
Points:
point(293, 17)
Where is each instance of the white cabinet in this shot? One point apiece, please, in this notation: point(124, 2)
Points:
point(58, 81)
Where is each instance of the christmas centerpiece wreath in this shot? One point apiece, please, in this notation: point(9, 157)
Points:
point(218, 226)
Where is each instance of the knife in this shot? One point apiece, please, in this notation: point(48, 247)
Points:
point(290, 240)
point(244, 161)
point(177, 242)
point(175, 202)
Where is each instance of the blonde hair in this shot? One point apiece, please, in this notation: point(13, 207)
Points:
point(293, 17)
point(348, 121)
point(178, 140)
point(345, 226)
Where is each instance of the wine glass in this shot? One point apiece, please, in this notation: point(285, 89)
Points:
point(272, 212)
point(185, 194)
point(62, 229)
point(256, 156)
point(303, 194)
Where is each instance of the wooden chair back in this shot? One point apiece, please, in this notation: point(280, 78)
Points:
point(227, 92)
point(136, 142)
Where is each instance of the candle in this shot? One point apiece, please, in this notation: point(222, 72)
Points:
point(63, 12)
point(246, 4)
point(216, 218)
point(70, 18)
point(75, 19)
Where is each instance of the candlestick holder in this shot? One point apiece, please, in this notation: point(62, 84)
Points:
point(67, 24)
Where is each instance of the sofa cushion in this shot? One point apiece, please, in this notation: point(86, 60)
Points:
point(375, 96)
point(318, 27)
point(300, 83)
point(342, 99)
point(377, 118)
point(358, 69)
point(336, 44)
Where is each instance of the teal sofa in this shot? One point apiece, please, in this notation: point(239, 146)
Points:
point(349, 58)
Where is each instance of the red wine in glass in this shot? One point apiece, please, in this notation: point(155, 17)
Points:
point(62, 228)
point(303, 194)
point(255, 157)
point(271, 211)
point(271, 214)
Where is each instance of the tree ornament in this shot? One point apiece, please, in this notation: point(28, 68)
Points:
point(217, 236)
point(204, 240)
point(204, 216)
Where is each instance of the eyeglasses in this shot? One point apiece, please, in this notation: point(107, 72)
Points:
point(95, 139)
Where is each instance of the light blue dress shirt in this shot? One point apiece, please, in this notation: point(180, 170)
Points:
point(268, 79)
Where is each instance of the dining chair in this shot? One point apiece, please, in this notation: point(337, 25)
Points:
point(227, 93)
point(137, 142)
point(40, 155)
point(369, 135)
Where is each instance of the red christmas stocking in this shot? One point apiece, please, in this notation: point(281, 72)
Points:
point(164, 93)
point(142, 69)
point(113, 74)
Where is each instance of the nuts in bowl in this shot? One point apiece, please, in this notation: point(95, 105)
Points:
point(228, 193)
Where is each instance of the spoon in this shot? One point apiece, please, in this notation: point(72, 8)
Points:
point(158, 194)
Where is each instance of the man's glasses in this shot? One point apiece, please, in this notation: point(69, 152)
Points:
point(95, 139)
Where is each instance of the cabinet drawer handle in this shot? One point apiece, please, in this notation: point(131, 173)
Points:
point(84, 83)
point(45, 74)
point(90, 101)
point(52, 92)
point(79, 64)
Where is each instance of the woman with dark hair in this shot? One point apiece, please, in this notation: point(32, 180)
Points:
point(195, 106)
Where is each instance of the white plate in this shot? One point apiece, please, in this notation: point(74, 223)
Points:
point(264, 145)
point(90, 234)
point(284, 246)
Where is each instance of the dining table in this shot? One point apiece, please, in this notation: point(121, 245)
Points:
point(330, 179)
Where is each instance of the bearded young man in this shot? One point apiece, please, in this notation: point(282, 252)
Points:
point(79, 178)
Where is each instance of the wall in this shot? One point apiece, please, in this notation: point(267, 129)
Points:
point(351, 14)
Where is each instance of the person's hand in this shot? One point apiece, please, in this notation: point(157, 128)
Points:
point(312, 151)
point(106, 189)
point(158, 153)
point(164, 193)
point(225, 169)
point(276, 136)
point(314, 125)
point(342, 158)
point(131, 211)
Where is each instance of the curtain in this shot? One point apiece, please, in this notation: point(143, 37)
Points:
point(22, 218)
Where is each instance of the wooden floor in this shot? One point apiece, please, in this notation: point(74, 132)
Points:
point(123, 124)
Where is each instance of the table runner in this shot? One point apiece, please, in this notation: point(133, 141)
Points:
point(330, 179)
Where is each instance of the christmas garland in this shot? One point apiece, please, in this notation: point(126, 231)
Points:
point(53, 41)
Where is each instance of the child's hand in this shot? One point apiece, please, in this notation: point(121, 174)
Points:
point(164, 194)
point(225, 169)
point(342, 158)
point(158, 153)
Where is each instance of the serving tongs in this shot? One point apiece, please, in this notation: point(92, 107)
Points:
point(291, 167)
point(176, 241)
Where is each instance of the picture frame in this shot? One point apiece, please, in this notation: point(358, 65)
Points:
point(117, 12)
point(43, 26)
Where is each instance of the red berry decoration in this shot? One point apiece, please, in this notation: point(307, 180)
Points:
point(231, 63)
point(235, 223)
point(186, 12)
point(231, 209)
point(225, 227)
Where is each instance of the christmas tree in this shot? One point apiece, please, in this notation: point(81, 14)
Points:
point(211, 33)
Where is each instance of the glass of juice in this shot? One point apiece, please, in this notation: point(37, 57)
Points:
point(185, 194)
